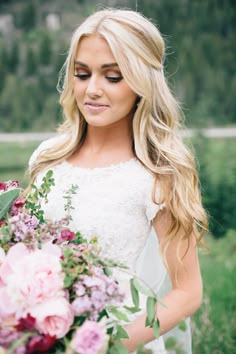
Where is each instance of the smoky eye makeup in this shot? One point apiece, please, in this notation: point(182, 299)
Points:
point(112, 76)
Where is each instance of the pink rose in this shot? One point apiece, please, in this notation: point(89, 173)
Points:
point(53, 317)
point(90, 338)
point(31, 277)
point(67, 235)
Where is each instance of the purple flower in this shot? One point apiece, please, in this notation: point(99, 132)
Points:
point(20, 350)
point(7, 337)
point(90, 338)
point(82, 305)
point(79, 289)
point(93, 292)
point(23, 225)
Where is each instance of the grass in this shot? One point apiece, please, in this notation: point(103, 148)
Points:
point(214, 324)
point(14, 159)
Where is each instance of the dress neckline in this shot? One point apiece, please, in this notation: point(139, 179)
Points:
point(102, 168)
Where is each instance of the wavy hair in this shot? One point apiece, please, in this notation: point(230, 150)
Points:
point(139, 50)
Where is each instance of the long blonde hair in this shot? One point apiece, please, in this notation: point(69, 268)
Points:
point(139, 50)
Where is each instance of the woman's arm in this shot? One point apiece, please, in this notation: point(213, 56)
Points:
point(186, 294)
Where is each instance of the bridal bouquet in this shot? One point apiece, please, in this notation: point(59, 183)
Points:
point(57, 294)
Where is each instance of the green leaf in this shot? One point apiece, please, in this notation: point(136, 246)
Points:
point(142, 288)
point(132, 309)
point(170, 343)
point(117, 313)
point(182, 326)
point(68, 281)
point(118, 348)
point(156, 328)
point(6, 200)
point(142, 350)
point(134, 292)
point(121, 333)
point(151, 308)
point(147, 322)
point(107, 271)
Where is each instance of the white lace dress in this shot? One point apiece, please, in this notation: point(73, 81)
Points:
point(115, 204)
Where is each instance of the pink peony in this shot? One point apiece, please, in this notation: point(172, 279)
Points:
point(90, 338)
point(29, 278)
point(53, 317)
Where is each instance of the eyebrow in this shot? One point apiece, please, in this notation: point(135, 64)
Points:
point(104, 66)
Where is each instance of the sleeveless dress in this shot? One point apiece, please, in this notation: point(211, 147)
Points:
point(115, 204)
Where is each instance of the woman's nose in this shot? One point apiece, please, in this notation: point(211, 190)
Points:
point(93, 88)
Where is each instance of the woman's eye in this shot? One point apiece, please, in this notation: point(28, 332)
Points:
point(114, 78)
point(82, 76)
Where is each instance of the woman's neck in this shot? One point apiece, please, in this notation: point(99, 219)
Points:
point(104, 146)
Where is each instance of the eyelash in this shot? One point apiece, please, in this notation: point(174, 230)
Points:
point(109, 78)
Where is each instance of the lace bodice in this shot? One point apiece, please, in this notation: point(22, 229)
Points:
point(113, 203)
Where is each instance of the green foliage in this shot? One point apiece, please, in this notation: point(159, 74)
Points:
point(6, 200)
point(45, 49)
point(200, 53)
point(28, 16)
point(214, 324)
point(199, 63)
point(217, 172)
point(38, 194)
point(30, 62)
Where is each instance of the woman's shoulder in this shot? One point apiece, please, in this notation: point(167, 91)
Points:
point(46, 144)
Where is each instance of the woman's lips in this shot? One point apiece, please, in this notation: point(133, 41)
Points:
point(95, 107)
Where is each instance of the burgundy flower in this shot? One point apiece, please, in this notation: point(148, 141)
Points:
point(40, 344)
point(1, 223)
point(3, 186)
point(67, 235)
point(26, 323)
point(18, 203)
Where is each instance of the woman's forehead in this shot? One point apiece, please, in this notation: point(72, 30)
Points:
point(94, 49)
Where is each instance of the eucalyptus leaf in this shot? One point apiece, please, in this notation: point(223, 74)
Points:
point(6, 200)
point(142, 350)
point(142, 288)
point(118, 314)
point(134, 293)
point(118, 348)
point(156, 328)
point(151, 308)
point(133, 309)
point(121, 333)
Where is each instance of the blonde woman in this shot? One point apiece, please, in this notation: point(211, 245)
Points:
point(119, 143)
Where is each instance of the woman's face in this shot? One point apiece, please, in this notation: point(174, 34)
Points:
point(101, 93)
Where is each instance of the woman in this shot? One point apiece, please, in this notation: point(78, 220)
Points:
point(119, 144)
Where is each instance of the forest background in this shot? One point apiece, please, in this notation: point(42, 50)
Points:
point(200, 36)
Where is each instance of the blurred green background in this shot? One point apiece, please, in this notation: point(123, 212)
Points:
point(200, 66)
